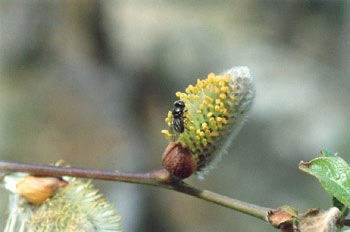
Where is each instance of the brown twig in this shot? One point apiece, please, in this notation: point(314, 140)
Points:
point(160, 178)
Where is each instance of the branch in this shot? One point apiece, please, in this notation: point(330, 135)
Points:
point(160, 178)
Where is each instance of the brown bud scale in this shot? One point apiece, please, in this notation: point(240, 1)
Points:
point(179, 161)
point(37, 189)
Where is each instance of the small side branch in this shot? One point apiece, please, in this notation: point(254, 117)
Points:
point(160, 178)
point(241, 206)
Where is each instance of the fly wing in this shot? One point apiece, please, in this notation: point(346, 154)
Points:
point(178, 125)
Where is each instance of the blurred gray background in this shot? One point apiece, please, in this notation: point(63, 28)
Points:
point(90, 82)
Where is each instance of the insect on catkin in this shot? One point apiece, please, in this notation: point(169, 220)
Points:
point(215, 111)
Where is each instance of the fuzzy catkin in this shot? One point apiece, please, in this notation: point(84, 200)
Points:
point(215, 111)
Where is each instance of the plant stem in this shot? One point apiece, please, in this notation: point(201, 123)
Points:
point(241, 206)
point(160, 178)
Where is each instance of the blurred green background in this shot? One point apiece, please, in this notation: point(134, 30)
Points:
point(90, 82)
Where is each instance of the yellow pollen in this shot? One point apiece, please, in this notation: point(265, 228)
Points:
point(209, 99)
point(226, 78)
point(216, 90)
point(207, 132)
point(204, 126)
point(166, 134)
point(223, 96)
point(212, 121)
point(214, 134)
point(224, 89)
point(200, 84)
point(211, 77)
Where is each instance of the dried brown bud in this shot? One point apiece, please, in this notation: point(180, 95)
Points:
point(317, 220)
point(37, 189)
point(284, 218)
point(179, 161)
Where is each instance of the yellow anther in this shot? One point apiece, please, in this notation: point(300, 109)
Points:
point(226, 77)
point(216, 90)
point(207, 132)
point(211, 76)
point(209, 114)
point(168, 119)
point(224, 89)
point(190, 88)
point(209, 99)
point(204, 126)
point(166, 134)
point(223, 96)
point(214, 134)
point(199, 112)
point(200, 84)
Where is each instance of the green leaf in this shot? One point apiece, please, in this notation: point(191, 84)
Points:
point(333, 173)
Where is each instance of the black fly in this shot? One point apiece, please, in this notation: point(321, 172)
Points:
point(178, 116)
